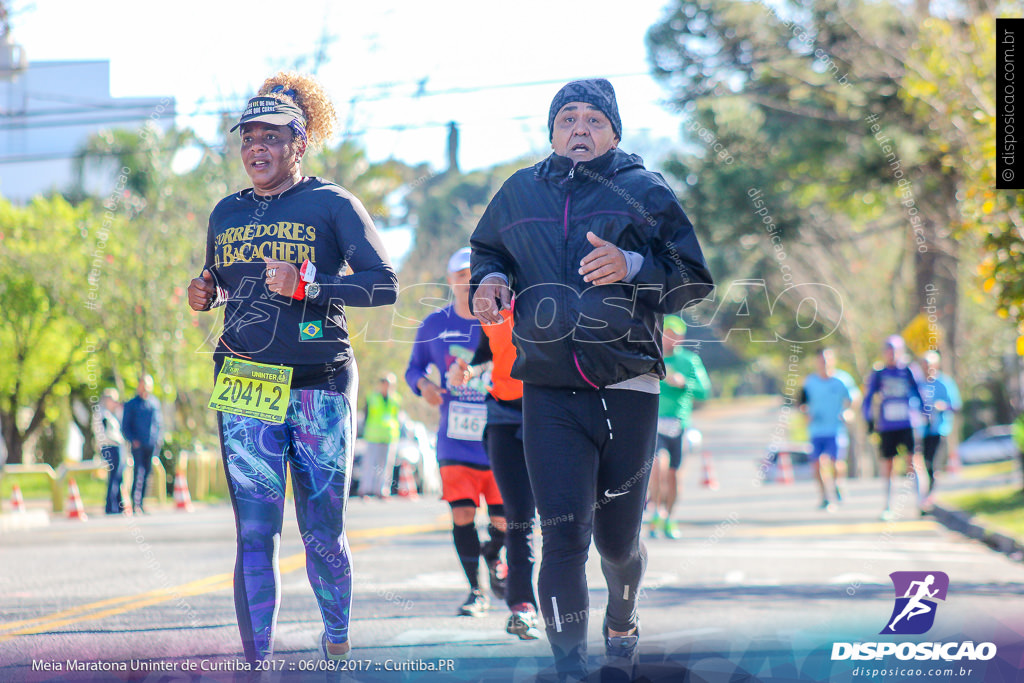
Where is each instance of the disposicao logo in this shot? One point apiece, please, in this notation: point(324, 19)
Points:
point(916, 593)
point(913, 614)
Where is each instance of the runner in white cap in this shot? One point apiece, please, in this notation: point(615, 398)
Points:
point(446, 335)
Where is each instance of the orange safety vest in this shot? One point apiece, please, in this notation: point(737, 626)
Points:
point(499, 336)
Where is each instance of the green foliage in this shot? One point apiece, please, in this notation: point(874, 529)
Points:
point(1018, 433)
point(776, 97)
point(46, 318)
point(999, 508)
point(93, 291)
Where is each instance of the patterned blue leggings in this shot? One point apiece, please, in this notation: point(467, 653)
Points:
point(316, 441)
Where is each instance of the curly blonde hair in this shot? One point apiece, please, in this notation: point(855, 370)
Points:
point(311, 98)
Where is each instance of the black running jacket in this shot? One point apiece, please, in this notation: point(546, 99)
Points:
point(567, 332)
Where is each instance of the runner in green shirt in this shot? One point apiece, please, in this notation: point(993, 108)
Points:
point(685, 380)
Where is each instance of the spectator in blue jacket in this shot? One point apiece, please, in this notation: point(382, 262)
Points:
point(941, 399)
point(142, 427)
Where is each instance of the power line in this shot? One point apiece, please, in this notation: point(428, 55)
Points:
point(479, 88)
point(226, 111)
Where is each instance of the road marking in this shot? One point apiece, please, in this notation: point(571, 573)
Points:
point(129, 603)
point(858, 579)
point(735, 576)
point(435, 636)
point(854, 528)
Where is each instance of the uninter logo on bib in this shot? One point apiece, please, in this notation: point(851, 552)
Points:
point(916, 595)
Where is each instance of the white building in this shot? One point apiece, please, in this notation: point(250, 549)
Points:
point(48, 110)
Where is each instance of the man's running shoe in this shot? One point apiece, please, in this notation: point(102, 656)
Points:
point(826, 506)
point(621, 654)
point(497, 572)
point(655, 524)
point(839, 496)
point(671, 530)
point(523, 622)
point(621, 647)
point(886, 515)
point(476, 605)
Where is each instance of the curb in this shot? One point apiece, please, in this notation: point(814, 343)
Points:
point(961, 522)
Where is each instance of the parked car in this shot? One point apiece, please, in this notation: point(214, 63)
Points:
point(416, 447)
point(991, 444)
point(769, 465)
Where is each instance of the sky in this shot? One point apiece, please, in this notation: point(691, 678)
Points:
point(474, 57)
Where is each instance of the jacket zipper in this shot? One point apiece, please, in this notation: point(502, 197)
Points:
point(565, 231)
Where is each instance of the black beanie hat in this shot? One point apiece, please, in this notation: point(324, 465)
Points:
point(594, 91)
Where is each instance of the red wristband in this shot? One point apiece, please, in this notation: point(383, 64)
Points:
point(306, 274)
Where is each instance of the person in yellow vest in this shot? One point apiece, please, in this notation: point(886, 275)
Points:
point(380, 431)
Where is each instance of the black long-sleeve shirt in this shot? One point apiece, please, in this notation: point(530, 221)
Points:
point(315, 220)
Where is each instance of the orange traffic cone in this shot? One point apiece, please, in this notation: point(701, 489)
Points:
point(953, 462)
point(785, 465)
point(75, 508)
point(182, 499)
point(710, 481)
point(17, 501)
point(406, 483)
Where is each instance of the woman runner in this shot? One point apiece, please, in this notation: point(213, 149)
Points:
point(275, 258)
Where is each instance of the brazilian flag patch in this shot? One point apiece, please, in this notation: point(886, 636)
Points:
point(311, 330)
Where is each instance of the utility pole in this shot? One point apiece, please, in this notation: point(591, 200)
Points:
point(453, 147)
point(12, 56)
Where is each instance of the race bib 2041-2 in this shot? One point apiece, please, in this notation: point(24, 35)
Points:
point(252, 389)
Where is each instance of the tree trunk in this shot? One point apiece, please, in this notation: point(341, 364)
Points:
point(53, 437)
point(938, 290)
point(80, 405)
point(14, 441)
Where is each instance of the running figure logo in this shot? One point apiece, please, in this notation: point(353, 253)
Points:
point(916, 592)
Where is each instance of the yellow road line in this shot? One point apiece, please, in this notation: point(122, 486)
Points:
point(852, 528)
point(113, 601)
point(198, 587)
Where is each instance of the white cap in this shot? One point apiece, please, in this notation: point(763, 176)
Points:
point(459, 260)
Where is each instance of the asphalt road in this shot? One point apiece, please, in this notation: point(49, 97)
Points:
point(761, 587)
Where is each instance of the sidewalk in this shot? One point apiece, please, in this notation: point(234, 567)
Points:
point(993, 476)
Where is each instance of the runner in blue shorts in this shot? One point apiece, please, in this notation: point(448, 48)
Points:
point(276, 255)
point(824, 399)
point(941, 400)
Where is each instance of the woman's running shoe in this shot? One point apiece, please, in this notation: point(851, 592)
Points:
point(326, 654)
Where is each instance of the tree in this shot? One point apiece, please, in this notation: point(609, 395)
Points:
point(952, 89)
point(48, 309)
point(812, 95)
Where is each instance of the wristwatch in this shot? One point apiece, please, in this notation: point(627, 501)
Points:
point(312, 290)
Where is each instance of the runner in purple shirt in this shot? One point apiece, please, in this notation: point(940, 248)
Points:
point(898, 411)
point(447, 334)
